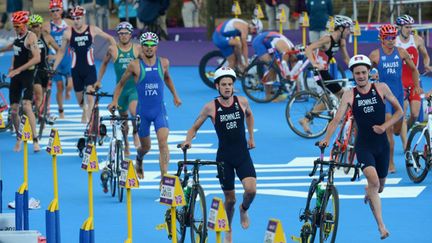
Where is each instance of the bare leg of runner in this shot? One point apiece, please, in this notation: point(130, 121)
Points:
point(59, 98)
point(229, 203)
point(249, 185)
point(141, 151)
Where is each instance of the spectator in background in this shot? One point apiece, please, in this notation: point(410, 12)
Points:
point(11, 7)
point(3, 20)
point(299, 8)
point(190, 12)
point(127, 9)
point(319, 12)
point(153, 15)
point(96, 14)
point(272, 7)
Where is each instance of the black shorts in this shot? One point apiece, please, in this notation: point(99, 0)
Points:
point(20, 83)
point(83, 78)
point(242, 166)
point(376, 156)
point(41, 77)
point(334, 87)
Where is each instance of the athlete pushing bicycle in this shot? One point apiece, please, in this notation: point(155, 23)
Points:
point(368, 102)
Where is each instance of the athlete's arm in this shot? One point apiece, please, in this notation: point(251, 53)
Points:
point(388, 95)
point(319, 44)
point(7, 48)
point(374, 57)
point(108, 56)
point(31, 44)
point(250, 122)
point(244, 30)
point(345, 54)
point(130, 70)
point(50, 41)
point(415, 74)
point(169, 83)
point(347, 97)
point(97, 31)
point(62, 50)
point(205, 113)
point(422, 49)
point(46, 28)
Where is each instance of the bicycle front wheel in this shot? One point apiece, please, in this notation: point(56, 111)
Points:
point(5, 109)
point(417, 154)
point(119, 159)
point(198, 216)
point(329, 217)
point(257, 86)
point(308, 114)
point(208, 66)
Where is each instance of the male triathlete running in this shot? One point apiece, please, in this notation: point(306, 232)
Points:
point(231, 38)
point(323, 50)
point(26, 56)
point(121, 55)
point(56, 27)
point(44, 42)
point(368, 103)
point(228, 114)
point(151, 74)
point(415, 46)
point(388, 60)
point(80, 37)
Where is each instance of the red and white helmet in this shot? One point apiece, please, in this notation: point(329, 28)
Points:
point(77, 11)
point(20, 17)
point(56, 4)
point(387, 30)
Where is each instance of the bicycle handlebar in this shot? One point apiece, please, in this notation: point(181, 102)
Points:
point(197, 162)
point(99, 94)
point(320, 161)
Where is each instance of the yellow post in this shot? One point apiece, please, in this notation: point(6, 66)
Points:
point(54, 148)
point(281, 16)
point(258, 13)
point(171, 194)
point(129, 212)
point(218, 220)
point(54, 163)
point(129, 181)
point(25, 162)
point(357, 32)
point(25, 133)
point(90, 190)
point(305, 24)
point(236, 9)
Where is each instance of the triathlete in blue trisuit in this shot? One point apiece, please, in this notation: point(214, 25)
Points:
point(231, 38)
point(388, 60)
point(80, 37)
point(151, 75)
point(55, 28)
point(368, 103)
point(228, 114)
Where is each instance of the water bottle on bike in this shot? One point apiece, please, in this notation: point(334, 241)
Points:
point(188, 190)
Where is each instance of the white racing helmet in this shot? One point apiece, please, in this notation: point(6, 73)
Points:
point(224, 72)
point(359, 60)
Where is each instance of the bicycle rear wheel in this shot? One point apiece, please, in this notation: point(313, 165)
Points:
point(208, 65)
point(119, 159)
point(5, 109)
point(310, 105)
point(417, 154)
point(198, 216)
point(255, 88)
point(329, 216)
point(349, 150)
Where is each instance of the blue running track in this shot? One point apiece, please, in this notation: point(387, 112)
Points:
point(282, 159)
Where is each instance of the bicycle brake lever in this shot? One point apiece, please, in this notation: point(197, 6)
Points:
point(314, 168)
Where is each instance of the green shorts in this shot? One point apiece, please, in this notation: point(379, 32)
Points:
point(126, 97)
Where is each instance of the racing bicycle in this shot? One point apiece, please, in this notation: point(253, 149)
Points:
point(91, 133)
point(318, 105)
point(194, 213)
point(5, 109)
point(322, 205)
point(418, 153)
point(111, 173)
